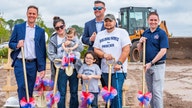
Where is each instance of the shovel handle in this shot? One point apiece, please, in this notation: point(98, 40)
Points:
point(110, 64)
point(56, 62)
point(144, 53)
point(87, 86)
point(144, 70)
point(25, 73)
point(87, 90)
point(56, 75)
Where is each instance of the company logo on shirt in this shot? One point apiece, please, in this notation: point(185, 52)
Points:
point(108, 43)
point(156, 36)
point(88, 71)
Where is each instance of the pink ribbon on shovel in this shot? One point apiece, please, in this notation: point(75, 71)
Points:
point(144, 98)
point(25, 104)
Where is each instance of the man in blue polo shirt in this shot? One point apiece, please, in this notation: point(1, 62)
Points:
point(156, 48)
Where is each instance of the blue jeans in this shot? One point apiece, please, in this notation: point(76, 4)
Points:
point(62, 88)
point(117, 101)
point(31, 70)
point(94, 103)
point(155, 82)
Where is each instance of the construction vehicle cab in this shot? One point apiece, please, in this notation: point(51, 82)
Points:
point(134, 20)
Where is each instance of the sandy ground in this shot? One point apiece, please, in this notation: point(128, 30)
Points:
point(177, 89)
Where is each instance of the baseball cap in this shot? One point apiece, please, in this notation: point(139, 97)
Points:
point(109, 16)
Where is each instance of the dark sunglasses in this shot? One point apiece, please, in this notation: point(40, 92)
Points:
point(61, 27)
point(97, 8)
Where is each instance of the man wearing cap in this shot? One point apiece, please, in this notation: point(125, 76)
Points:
point(114, 43)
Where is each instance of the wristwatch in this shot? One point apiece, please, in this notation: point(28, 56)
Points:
point(119, 63)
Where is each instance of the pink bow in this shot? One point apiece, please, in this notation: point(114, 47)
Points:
point(86, 98)
point(69, 58)
point(108, 95)
point(144, 98)
point(52, 99)
point(43, 85)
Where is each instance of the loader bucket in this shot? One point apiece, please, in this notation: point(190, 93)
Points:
point(180, 48)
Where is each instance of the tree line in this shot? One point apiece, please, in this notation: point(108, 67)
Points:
point(6, 28)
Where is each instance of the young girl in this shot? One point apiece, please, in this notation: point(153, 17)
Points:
point(90, 73)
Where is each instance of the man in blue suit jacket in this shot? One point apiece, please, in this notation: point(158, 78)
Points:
point(95, 25)
point(32, 38)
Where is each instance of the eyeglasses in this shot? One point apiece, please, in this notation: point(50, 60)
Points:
point(61, 27)
point(97, 8)
point(89, 58)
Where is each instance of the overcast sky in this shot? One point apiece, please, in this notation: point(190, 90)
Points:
point(177, 13)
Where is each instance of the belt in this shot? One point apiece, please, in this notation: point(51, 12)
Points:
point(28, 60)
point(158, 63)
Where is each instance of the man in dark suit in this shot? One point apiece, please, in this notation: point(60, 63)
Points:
point(32, 38)
point(94, 26)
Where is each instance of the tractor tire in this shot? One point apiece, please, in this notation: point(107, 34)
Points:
point(134, 53)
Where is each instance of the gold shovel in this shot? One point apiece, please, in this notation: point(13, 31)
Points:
point(41, 101)
point(57, 63)
point(87, 90)
point(25, 74)
point(144, 70)
point(110, 65)
point(69, 68)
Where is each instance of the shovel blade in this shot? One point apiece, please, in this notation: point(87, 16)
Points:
point(69, 70)
point(41, 102)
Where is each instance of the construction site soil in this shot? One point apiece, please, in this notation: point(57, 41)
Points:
point(177, 88)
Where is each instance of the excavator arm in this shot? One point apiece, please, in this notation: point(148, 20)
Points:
point(164, 27)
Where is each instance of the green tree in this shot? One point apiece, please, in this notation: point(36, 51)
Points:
point(51, 30)
point(19, 21)
point(4, 33)
point(11, 23)
point(41, 23)
point(2, 22)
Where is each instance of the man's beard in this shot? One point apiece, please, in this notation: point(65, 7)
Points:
point(110, 28)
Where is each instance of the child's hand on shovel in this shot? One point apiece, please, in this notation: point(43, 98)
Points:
point(90, 77)
point(84, 77)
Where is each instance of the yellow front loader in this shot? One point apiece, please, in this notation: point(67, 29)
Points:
point(134, 20)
